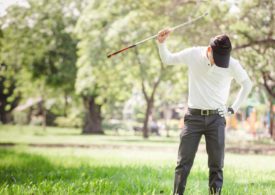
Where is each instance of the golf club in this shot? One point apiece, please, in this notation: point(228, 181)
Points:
point(149, 38)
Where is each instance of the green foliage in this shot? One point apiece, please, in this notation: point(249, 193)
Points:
point(252, 27)
point(39, 48)
point(96, 75)
point(105, 27)
point(42, 43)
point(39, 38)
point(253, 37)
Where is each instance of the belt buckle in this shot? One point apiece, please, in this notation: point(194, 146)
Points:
point(204, 112)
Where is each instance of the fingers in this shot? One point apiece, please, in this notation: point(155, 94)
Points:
point(164, 32)
point(221, 112)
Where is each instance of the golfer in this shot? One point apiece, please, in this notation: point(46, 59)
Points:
point(210, 72)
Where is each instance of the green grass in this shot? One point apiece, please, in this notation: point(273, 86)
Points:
point(83, 171)
point(112, 170)
point(35, 134)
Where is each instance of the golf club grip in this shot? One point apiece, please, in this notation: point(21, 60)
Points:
point(110, 55)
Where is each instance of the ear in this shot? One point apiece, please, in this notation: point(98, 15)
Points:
point(209, 49)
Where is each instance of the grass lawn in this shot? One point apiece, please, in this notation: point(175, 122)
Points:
point(33, 134)
point(68, 170)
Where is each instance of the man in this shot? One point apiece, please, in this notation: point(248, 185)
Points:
point(210, 72)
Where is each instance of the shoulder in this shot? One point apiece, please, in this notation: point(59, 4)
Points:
point(195, 51)
point(234, 64)
point(198, 49)
point(237, 70)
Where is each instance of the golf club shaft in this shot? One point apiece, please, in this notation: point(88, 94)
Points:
point(154, 36)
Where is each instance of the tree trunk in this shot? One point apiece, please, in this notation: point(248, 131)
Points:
point(93, 119)
point(5, 115)
point(271, 115)
point(149, 100)
point(66, 103)
point(167, 114)
point(269, 84)
point(149, 108)
point(42, 112)
point(44, 116)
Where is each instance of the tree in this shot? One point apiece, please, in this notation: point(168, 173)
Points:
point(8, 99)
point(106, 25)
point(100, 82)
point(152, 71)
point(38, 39)
point(254, 29)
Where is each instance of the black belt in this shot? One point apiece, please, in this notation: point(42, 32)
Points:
point(202, 112)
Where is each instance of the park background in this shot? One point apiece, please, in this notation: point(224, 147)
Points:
point(73, 121)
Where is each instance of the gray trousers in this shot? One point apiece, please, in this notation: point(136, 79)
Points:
point(212, 127)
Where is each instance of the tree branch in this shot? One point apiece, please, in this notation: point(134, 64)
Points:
point(142, 79)
point(271, 21)
point(268, 41)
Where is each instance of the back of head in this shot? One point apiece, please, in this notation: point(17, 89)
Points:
point(221, 47)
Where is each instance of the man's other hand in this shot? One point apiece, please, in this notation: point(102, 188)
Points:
point(224, 111)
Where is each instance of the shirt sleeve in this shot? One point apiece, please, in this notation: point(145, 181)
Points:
point(169, 58)
point(246, 86)
point(238, 73)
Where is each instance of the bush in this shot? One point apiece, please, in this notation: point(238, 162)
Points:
point(70, 121)
point(20, 118)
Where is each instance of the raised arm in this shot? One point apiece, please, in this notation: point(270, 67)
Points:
point(166, 56)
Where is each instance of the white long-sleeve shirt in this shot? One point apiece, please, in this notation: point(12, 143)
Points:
point(209, 86)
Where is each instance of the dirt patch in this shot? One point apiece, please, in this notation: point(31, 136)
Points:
point(7, 144)
point(252, 150)
point(104, 146)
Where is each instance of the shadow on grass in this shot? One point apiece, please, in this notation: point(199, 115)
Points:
point(35, 174)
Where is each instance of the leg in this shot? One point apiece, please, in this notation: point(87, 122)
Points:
point(214, 137)
point(190, 138)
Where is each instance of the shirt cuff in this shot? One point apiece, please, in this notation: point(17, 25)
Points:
point(161, 44)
